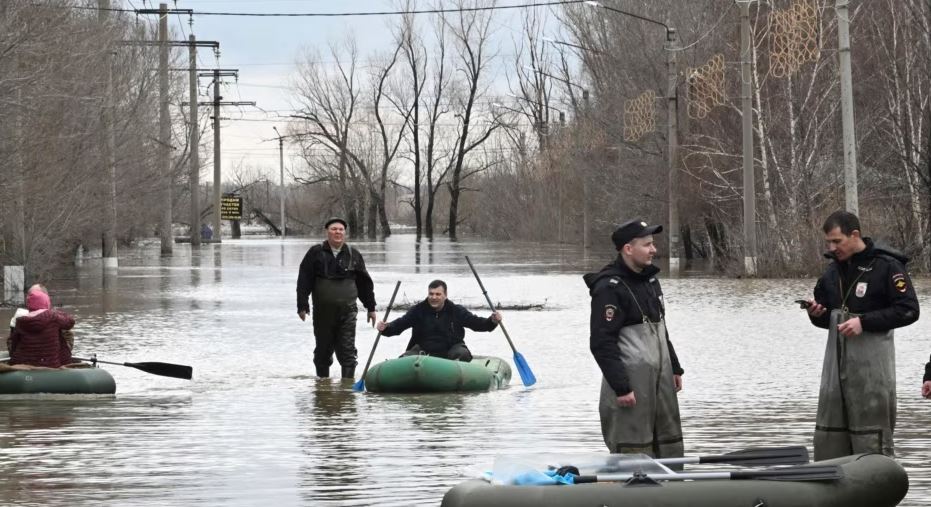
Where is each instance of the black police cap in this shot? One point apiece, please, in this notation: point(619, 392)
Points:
point(628, 231)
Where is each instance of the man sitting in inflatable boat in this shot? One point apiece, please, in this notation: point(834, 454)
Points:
point(438, 326)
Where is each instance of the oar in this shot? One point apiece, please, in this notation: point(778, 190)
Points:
point(792, 455)
point(359, 386)
point(803, 473)
point(522, 367)
point(155, 368)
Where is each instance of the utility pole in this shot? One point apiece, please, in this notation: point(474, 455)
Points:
point(110, 258)
point(282, 194)
point(846, 90)
point(216, 153)
point(164, 133)
point(216, 74)
point(672, 133)
point(746, 96)
point(195, 145)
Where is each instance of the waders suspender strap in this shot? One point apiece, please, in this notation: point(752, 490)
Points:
point(840, 283)
point(636, 302)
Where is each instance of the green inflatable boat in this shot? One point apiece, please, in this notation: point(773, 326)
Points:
point(57, 381)
point(427, 374)
point(866, 480)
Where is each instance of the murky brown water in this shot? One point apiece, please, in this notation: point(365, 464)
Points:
point(255, 427)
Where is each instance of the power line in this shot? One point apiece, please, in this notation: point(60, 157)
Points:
point(348, 14)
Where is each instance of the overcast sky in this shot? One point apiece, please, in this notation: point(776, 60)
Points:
point(265, 50)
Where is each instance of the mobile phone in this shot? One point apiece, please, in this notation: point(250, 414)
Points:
point(803, 303)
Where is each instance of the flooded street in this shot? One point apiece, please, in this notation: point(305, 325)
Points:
point(255, 427)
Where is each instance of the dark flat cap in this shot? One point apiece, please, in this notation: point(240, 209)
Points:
point(630, 230)
point(335, 220)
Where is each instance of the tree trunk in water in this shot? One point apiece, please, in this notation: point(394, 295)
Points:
point(453, 210)
point(371, 228)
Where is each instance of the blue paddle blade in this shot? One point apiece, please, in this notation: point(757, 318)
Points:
point(359, 386)
point(526, 376)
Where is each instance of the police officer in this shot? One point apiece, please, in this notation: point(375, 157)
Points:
point(862, 296)
point(639, 407)
point(333, 273)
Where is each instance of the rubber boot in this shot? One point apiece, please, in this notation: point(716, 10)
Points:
point(323, 372)
point(349, 372)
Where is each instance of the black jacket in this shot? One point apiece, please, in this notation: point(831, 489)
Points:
point(614, 308)
point(437, 331)
point(927, 372)
point(872, 283)
point(319, 262)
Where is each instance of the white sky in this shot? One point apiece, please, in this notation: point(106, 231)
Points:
point(264, 50)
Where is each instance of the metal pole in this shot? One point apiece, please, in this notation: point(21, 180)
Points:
point(747, 108)
point(672, 126)
point(110, 259)
point(846, 91)
point(195, 146)
point(283, 194)
point(216, 154)
point(164, 133)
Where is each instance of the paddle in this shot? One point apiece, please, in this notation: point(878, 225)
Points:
point(164, 369)
point(802, 473)
point(792, 455)
point(359, 386)
point(523, 368)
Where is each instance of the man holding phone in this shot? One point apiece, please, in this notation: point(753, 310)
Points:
point(864, 294)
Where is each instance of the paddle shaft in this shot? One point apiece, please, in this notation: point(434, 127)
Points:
point(792, 455)
point(804, 473)
point(378, 336)
point(490, 304)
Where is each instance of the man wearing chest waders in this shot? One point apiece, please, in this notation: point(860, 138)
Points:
point(639, 407)
point(334, 274)
point(862, 296)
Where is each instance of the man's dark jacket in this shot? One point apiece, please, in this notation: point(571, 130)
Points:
point(319, 262)
point(888, 299)
point(437, 331)
point(614, 308)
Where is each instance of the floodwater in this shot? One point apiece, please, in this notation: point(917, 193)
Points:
point(255, 427)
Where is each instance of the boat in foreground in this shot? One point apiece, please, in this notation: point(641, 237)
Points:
point(867, 480)
point(89, 380)
point(428, 374)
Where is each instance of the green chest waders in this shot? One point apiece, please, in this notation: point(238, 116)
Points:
point(857, 403)
point(652, 426)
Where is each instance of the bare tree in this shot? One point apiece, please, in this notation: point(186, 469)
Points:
point(471, 31)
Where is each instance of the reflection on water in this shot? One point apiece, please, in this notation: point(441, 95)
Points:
point(255, 427)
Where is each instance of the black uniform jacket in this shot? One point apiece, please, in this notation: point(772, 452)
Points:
point(927, 372)
point(613, 307)
point(437, 331)
point(872, 283)
point(319, 262)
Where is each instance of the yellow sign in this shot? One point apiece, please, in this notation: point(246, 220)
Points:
point(231, 207)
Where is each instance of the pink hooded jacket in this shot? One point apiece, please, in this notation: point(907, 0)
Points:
point(36, 340)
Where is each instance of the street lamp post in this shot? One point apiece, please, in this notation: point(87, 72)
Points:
point(672, 134)
point(283, 193)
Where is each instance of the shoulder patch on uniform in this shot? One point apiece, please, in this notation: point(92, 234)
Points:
point(610, 310)
point(614, 280)
point(899, 282)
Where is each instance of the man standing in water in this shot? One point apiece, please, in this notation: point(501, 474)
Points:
point(862, 296)
point(334, 274)
point(639, 406)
